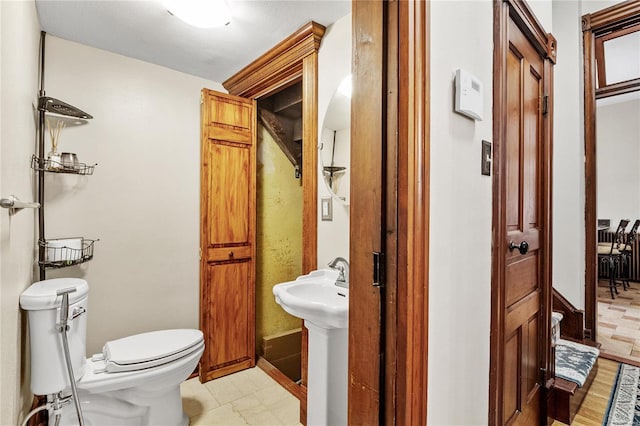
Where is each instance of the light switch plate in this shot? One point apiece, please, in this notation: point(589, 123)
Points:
point(486, 158)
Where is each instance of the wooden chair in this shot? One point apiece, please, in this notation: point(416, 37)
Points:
point(626, 252)
point(610, 255)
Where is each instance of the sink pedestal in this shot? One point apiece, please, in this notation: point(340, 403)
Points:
point(328, 375)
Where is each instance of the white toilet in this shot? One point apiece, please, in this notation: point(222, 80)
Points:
point(134, 381)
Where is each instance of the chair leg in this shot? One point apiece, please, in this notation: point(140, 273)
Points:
point(612, 281)
point(626, 268)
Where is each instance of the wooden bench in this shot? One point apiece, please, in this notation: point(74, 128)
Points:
point(571, 383)
point(567, 395)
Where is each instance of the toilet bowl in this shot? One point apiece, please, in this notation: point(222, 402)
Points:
point(134, 381)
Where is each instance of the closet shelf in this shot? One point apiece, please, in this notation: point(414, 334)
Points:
point(61, 253)
point(51, 166)
point(56, 106)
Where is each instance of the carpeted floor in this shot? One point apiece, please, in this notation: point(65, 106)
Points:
point(624, 403)
point(619, 321)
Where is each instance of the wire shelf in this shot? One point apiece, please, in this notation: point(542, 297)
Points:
point(60, 253)
point(53, 166)
point(56, 106)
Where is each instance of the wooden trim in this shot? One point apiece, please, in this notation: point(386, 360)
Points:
point(618, 358)
point(572, 324)
point(593, 24)
point(368, 121)
point(310, 162)
point(413, 212)
point(496, 357)
point(390, 309)
point(604, 89)
point(545, 44)
point(278, 67)
point(618, 88)
point(604, 19)
point(526, 19)
point(277, 375)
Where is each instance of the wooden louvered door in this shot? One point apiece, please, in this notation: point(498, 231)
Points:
point(227, 233)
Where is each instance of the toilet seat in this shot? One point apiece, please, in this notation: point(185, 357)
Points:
point(147, 350)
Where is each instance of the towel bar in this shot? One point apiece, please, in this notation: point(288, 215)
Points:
point(12, 202)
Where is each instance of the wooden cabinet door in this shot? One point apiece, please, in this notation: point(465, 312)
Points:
point(227, 233)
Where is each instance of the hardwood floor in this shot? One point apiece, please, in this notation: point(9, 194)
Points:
point(619, 322)
point(595, 403)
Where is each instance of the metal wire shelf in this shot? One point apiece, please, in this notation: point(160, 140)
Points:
point(56, 106)
point(63, 256)
point(52, 166)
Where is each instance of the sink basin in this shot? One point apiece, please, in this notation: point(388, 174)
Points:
point(315, 298)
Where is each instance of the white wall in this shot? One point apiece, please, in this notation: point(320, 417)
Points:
point(143, 199)
point(618, 148)
point(334, 63)
point(461, 202)
point(568, 169)
point(19, 38)
point(568, 153)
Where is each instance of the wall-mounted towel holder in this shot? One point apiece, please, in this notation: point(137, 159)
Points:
point(12, 202)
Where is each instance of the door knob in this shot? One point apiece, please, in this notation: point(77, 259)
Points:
point(523, 247)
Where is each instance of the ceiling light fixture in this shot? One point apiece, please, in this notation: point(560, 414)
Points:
point(200, 13)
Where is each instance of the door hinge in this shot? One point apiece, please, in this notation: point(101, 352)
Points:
point(378, 269)
point(545, 104)
point(200, 253)
point(201, 98)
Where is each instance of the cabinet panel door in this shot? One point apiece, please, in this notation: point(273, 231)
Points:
point(229, 192)
point(230, 313)
point(227, 233)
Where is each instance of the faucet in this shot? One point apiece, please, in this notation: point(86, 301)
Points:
point(342, 266)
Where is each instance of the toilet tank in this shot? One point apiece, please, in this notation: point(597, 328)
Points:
point(48, 366)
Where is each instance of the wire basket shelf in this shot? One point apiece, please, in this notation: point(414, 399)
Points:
point(47, 165)
point(60, 253)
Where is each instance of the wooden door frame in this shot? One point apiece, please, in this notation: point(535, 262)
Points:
point(592, 25)
point(293, 59)
point(545, 44)
point(391, 101)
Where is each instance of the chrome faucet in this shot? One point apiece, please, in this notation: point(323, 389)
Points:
point(342, 266)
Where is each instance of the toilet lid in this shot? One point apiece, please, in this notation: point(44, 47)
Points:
point(148, 350)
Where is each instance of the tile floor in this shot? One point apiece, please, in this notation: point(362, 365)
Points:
point(619, 321)
point(249, 397)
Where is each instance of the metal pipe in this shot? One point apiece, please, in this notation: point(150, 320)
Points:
point(41, 164)
point(63, 327)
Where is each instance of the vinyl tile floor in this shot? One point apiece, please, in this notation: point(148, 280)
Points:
point(619, 321)
point(249, 397)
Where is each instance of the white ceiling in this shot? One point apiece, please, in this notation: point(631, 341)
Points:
point(144, 30)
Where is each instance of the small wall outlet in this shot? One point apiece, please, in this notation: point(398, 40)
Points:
point(486, 158)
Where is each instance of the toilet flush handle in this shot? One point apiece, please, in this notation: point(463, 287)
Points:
point(77, 312)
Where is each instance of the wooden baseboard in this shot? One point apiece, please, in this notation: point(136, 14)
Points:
point(292, 387)
point(618, 358)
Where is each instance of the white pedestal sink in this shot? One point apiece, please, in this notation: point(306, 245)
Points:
point(324, 307)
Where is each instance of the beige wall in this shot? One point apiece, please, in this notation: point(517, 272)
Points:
point(279, 235)
point(459, 279)
point(143, 199)
point(334, 64)
point(19, 38)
